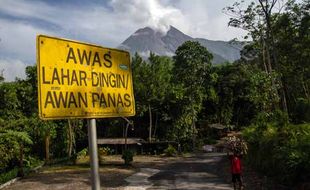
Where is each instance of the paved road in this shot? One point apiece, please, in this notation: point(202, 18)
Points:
point(201, 171)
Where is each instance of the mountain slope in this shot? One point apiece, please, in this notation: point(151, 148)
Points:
point(147, 40)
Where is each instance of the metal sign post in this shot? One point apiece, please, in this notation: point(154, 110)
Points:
point(92, 143)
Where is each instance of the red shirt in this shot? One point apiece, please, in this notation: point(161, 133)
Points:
point(235, 164)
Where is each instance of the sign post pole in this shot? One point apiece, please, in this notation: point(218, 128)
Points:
point(92, 143)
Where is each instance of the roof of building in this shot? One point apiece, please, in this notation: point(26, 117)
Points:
point(120, 141)
point(217, 126)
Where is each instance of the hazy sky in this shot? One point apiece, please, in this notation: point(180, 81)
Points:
point(104, 22)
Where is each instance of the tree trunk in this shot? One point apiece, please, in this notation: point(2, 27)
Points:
point(150, 127)
point(284, 101)
point(126, 132)
point(155, 127)
point(21, 161)
point(70, 139)
point(47, 147)
point(193, 129)
point(124, 127)
point(305, 89)
point(264, 56)
point(269, 64)
point(271, 50)
point(194, 134)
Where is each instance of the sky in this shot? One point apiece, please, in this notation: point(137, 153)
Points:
point(104, 22)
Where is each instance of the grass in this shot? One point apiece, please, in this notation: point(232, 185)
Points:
point(7, 176)
point(65, 168)
point(11, 174)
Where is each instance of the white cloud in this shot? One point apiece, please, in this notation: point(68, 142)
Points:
point(99, 24)
point(206, 19)
point(220, 27)
point(12, 69)
point(150, 13)
point(18, 40)
point(94, 24)
point(198, 18)
point(107, 24)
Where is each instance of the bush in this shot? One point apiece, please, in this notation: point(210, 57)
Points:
point(170, 151)
point(302, 111)
point(6, 176)
point(104, 151)
point(32, 162)
point(275, 150)
point(29, 164)
point(127, 156)
point(82, 153)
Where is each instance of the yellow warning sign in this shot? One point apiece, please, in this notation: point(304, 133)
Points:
point(80, 80)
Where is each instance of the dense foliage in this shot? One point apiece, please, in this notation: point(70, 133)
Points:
point(282, 152)
point(265, 93)
point(279, 132)
point(24, 138)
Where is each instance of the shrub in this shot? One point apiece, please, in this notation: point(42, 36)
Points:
point(82, 153)
point(301, 112)
point(127, 156)
point(104, 151)
point(6, 176)
point(277, 150)
point(32, 162)
point(170, 151)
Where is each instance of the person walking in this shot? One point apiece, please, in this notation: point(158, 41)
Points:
point(236, 169)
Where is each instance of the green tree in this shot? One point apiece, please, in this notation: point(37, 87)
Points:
point(9, 102)
point(258, 19)
point(1, 76)
point(27, 92)
point(73, 126)
point(191, 69)
point(151, 84)
point(292, 34)
point(280, 33)
point(12, 147)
